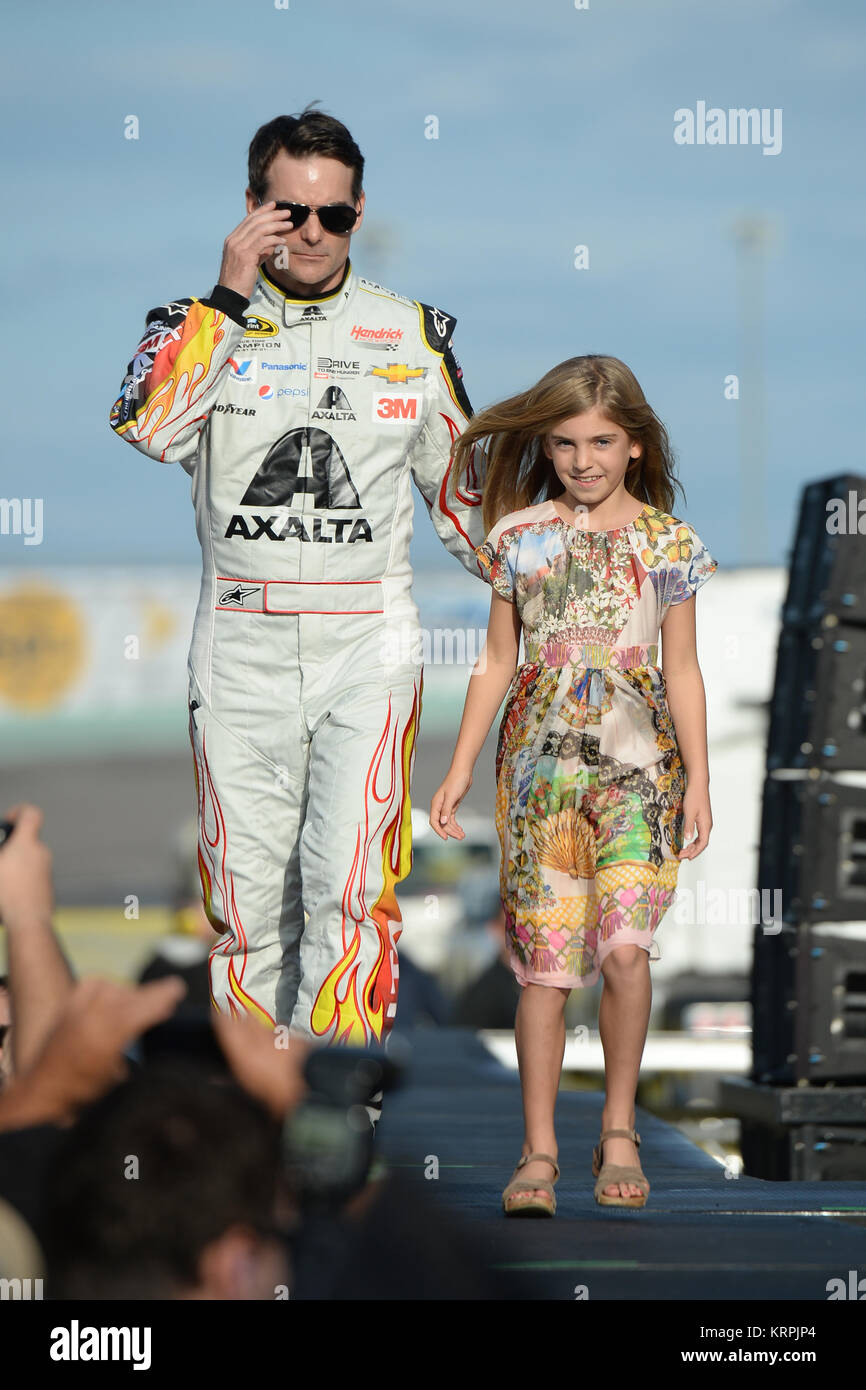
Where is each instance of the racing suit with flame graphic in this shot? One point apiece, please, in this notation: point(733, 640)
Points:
point(302, 423)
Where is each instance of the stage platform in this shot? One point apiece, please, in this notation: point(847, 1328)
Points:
point(702, 1236)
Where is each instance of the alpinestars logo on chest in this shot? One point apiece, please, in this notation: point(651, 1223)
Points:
point(304, 462)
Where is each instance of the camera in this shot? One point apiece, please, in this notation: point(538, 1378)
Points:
point(328, 1137)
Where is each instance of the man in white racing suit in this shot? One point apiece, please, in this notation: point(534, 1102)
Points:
point(303, 401)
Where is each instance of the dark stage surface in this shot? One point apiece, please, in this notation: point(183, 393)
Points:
point(701, 1236)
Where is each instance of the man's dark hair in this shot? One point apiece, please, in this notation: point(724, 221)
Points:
point(208, 1159)
point(310, 132)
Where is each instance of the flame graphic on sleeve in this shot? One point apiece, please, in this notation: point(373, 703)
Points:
point(471, 496)
point(359, 1011)
point(178, 373)
point(212, 853)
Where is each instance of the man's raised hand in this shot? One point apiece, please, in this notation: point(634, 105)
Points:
point(251, 242)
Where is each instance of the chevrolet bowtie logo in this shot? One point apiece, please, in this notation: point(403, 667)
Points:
point(398, 372)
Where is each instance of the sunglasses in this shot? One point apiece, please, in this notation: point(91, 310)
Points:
point(334, 217)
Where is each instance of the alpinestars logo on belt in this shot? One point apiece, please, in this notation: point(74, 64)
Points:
point(238, 594)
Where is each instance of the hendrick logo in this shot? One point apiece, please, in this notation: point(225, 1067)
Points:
point(376, 335)
point(334, 405)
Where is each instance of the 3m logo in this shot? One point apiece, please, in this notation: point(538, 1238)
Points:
point(397, 407)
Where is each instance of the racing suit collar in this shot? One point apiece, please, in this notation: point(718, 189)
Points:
point(317, 309)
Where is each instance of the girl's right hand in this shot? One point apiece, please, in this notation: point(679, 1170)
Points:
point(445, 803)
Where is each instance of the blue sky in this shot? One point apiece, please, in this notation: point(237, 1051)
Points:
point(555, 129)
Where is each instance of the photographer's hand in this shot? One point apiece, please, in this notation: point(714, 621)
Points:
point(40, 980)
point(83, 1057)
point(270, 1072)
point(251, 242)
point(26, 890)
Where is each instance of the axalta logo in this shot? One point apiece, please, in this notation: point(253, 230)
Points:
point(401, 406)
point(260, 328)
point(243, 371)
point(295, 528)
point(376, 335)
point(306, 461)
point(334, 405)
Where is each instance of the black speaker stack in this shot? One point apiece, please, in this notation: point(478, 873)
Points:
point(803, 1107)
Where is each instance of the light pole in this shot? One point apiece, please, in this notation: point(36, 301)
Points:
point(752, 234)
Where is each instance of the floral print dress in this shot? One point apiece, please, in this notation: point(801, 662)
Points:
point(589, 779)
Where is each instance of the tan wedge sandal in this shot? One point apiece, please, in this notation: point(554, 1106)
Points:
point(537, 1206)
point(611, 1173)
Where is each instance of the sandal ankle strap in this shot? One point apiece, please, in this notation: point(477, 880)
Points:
point(527, 1158)
point(631, 1134)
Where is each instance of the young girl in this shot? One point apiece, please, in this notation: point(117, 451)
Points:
point(592, 800)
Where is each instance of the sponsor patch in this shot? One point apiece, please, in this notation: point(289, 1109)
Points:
point(397, 373)
point(397, 407)
point(376, 335)
point(243, 370)
point(258, 327)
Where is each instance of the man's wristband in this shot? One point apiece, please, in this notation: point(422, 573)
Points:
point(228, 302)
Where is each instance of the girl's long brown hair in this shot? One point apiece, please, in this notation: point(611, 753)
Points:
point(519, 473)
